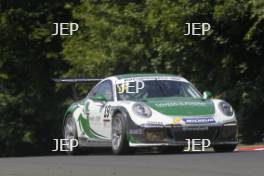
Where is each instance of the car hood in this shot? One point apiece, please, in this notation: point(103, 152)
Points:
point(181, 106)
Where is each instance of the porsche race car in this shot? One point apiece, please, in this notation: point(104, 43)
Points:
point(129, 111)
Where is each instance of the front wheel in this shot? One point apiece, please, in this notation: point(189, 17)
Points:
point(224, 148)
point(119, 139)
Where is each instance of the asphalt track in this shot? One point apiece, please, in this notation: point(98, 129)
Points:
point(246, 163)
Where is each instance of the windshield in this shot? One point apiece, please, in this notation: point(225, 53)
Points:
point(156, 88)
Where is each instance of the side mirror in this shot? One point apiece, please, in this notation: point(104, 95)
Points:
point(207, 95)
point(99, 97)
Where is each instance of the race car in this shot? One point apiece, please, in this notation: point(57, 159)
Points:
point(131, 111)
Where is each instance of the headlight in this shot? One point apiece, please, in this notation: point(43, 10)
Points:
point(141, 110)
point(226, 108)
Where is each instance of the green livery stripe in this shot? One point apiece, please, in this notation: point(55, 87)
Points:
point(71, 109)
point(99, 135)
point(85, 126)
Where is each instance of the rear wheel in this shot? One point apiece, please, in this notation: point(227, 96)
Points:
point(70, 133)
point(224, 148)
point(119, 139)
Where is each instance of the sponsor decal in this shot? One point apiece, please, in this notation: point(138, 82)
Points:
point(107, 113)
point(198, 120)
point(152, 124)
point(155, 122)
point(176, 120)
point(172, 104)
point(195, 128)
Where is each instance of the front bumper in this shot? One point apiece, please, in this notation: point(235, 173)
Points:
point(144, 136)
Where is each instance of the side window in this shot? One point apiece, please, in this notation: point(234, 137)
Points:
point(105, 89)
point(92, 92)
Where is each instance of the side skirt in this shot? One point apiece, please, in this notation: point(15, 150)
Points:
point(84, 142)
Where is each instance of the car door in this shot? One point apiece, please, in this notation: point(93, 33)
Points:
point(100, 122)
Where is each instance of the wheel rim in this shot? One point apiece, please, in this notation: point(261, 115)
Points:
point(116, 133)
point(69, 132)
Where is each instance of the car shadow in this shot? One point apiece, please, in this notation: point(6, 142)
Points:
point(139, 151)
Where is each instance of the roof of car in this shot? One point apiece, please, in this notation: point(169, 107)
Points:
point(133, 75)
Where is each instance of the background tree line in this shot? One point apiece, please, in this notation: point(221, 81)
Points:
point(124, 36)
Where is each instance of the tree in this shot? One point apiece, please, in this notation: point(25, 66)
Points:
point(30, 56)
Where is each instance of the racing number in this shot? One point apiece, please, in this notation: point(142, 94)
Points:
point(107, 112)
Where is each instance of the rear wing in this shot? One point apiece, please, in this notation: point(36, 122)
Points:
point(74, 81)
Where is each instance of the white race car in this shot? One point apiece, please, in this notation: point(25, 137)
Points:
point(148, 110)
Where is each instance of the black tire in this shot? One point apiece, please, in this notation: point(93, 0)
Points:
point(171, 149)
point(224, 148)
point(75, 150)
point(122, 147)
